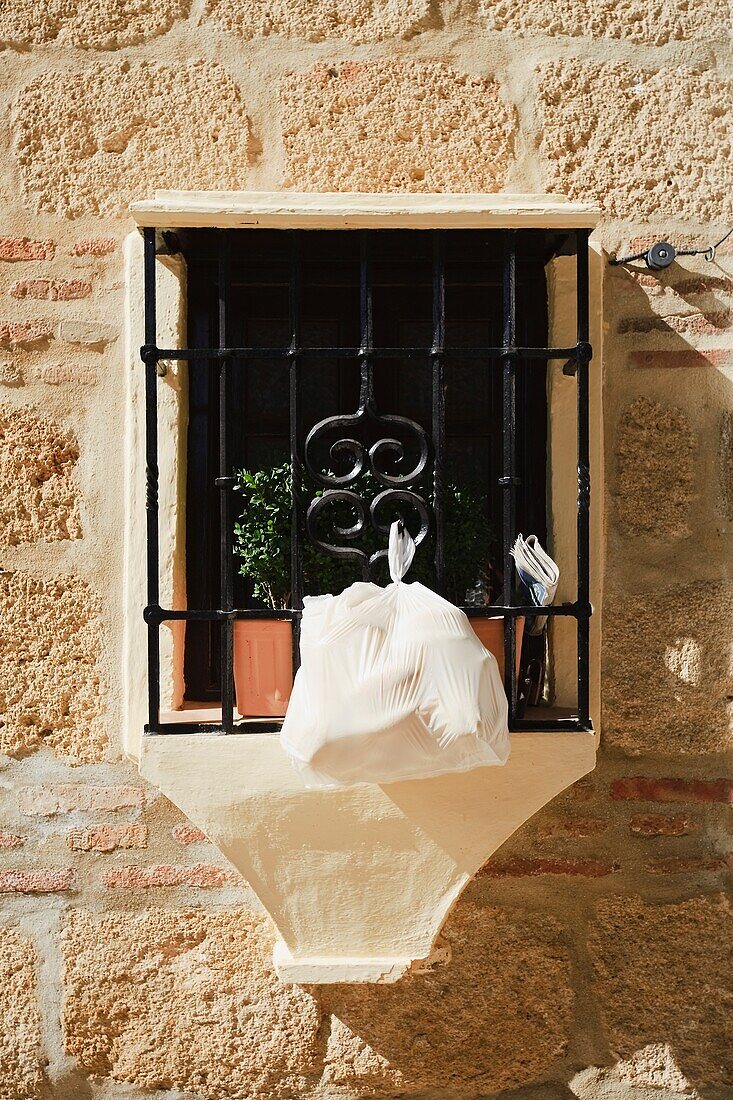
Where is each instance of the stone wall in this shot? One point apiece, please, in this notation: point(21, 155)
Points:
point(591, 956)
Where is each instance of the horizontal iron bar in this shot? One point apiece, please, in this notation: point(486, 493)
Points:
point(359, 353)
point(165, 615)
point(550, 725)
point(573, 610)
point(215, 729)
point(162, 614)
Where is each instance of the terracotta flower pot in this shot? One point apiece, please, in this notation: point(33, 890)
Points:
point(263, 666)
point(491, 635)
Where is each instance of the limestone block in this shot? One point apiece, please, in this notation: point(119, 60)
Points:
point(654, 470)
point(94, 139)
point(40, 499)
point(662, 979)
point(21, 1077)
point(185, 1001)
point(51, 680)
point(315, 20)
point(666, 669)
point(633, 20)
point(637, 142)
point(395, 126)
point(473, 1026)
point(88, 23)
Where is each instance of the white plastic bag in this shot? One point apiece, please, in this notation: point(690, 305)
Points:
point(393, 684)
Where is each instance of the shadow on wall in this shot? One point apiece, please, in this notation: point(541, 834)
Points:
point(668, 610)
point(513, 1007)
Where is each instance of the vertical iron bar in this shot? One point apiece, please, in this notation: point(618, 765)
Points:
point(149, 356)
point(296, 549)
point(366, 394)
point(439, 405)
point(508, 478)
point(583, 538)
point(226, 564)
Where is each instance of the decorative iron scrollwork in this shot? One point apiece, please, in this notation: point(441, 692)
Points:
point(372, 455)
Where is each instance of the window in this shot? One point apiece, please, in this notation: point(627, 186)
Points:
point(435, 339)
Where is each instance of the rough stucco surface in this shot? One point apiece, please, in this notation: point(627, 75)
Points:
point(673, 1033)
point(21, 1077)
point(92, 141)
point(395, 126)
point(667, 672)
point(86, 23)
point(39, 498)
point(51, 682)
point(188, 1001)
point(654, 470)
point(632, 20)
point(635, 141)
point(316, 20)
point(476, 1019)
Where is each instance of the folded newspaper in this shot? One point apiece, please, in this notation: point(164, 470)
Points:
point(539, 574)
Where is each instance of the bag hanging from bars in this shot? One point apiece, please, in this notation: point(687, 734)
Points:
point(393, 685)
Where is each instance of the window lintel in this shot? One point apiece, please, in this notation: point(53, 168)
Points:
point(351, 210)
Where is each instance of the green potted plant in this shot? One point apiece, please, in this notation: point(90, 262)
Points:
point(262, 543)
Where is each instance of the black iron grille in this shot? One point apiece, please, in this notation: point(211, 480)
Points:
point(405, 454)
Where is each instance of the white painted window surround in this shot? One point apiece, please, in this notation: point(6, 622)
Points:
point(171, 209)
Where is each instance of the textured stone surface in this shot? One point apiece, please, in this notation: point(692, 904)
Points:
point(662, 977)
point(666, 667)
point(61, 374)
point(476, 1024)
point(22, 248)
point(108, 837)
point(356, 20)
point(640, 788)
point(663, 824)
point(635, 141)
point(395, 126)
point(654, 470)
point(38, 494)
point(65, 798)
point(86, 23)
point(11, 840)
point(10, 374)
point(91, 141)
point(21, 334)
point(517, 867)
point(186, 1001)
point(633, 20)
point(692, 359)
point(200, 876)
point(57, 290)
point(186, 834)
point(21, 1077)
point(94, 246)
point(51, 680)
point(43, 880)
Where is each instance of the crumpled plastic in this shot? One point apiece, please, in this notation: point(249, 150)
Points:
point(393, 685)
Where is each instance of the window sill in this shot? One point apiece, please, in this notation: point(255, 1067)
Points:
point(359, 880)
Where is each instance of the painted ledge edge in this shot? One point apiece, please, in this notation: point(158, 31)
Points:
point(279, 209)
point(330, 970)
